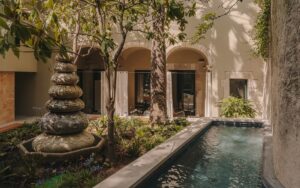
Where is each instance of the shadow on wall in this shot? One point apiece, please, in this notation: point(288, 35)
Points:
point(31, 90)
point(230, 45)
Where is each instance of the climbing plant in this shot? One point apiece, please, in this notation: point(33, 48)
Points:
point(262, 29)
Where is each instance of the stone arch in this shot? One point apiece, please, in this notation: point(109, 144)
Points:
point(135, 60)
point(137, 44)
point(197, 47)
point(177, 62)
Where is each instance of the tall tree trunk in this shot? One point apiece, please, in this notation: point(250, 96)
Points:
point(110, 108)
point(158, 112)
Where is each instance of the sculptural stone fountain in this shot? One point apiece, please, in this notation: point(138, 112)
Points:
point(64, 125)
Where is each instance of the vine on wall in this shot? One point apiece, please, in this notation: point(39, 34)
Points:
point(262, 29)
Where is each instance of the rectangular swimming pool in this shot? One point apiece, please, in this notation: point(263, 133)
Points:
point(224, 156)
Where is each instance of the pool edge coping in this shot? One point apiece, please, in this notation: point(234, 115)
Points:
point(139, 170)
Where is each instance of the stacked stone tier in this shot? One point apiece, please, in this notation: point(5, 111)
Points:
point(65, 92)
point(64, 124)
point(64, 67)
point(65, 105)
point(60, 124)
point(65, 78)
point(65, 116)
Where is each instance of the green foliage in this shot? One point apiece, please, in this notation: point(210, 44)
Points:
point(235, 107)
point(17, 31)
point(181, 121)
point(175, 13)
point(74, 179)
point(262, 29)
point(79, 178)
point(9, 140)
point(12, 165)
point(136, 136)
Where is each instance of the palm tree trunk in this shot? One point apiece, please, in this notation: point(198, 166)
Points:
point(158, 112)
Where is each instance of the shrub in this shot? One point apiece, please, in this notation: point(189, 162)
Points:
point(69, 180)
point(12, 166)
point(235, 107)
point(135, 136)
point(181, 121)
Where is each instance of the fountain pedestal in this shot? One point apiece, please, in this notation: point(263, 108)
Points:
point(63, 126)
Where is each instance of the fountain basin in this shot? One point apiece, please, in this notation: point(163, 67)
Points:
point(41, 157)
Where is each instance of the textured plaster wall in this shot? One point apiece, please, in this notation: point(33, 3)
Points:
point(25, 63)
point(7, 97)
point(286, 91)
point(32, 90)
point(228, 47)
point(182, 59)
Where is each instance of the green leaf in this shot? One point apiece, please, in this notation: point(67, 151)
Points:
point(3, 24)
point(49, 4)
point(16, 51)
point(7, 11)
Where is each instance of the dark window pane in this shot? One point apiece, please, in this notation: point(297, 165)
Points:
point(238, 88)
point(142, 90)
point(183, 92)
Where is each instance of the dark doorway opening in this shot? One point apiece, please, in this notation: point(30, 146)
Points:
point(90, 83)
point(183, 92)
point(90, 64)
point(142, 91)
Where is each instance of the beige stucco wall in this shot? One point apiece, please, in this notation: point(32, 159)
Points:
point(228, 49)
point(138, 59)
point(32, 90)
point(7, 97)
point(25, 63)
point(18, 94)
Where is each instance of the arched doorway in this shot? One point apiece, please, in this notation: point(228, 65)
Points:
point(89, 67)
point(186, 79)
point(136, 62)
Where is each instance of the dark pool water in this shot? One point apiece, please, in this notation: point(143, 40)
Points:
point(222, 157)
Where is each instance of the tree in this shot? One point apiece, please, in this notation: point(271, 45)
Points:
point(100, 23)
point(164, 13)
point(16, 32)
point(158, 111)
point(55, 26)
point(106, 23)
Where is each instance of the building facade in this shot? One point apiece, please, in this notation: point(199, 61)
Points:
point(199, 75)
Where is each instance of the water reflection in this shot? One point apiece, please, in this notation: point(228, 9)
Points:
point(223, 157)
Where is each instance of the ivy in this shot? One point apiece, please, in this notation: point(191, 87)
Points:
point(262, 29)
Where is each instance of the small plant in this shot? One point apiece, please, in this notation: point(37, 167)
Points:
point(12, 166)
point(74, 179)
point(135, 136)
point(233, 107)
point(181, 121)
